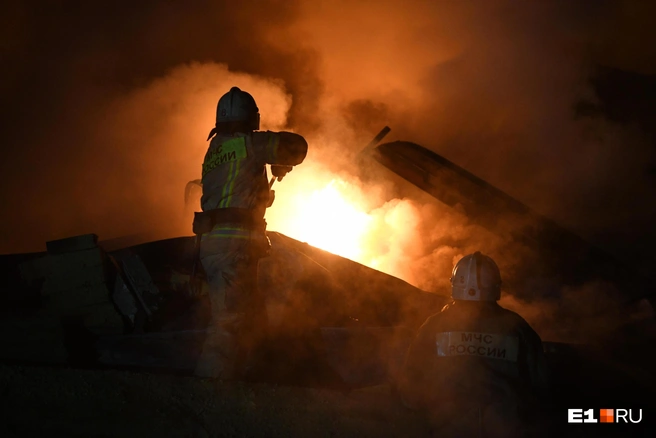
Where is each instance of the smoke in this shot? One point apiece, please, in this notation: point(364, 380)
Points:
point(157, 134)
point(493, 88)
point(147, 143)
point(105, 128)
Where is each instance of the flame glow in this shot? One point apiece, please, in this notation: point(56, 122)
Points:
point(337, 214)
point(330, 222)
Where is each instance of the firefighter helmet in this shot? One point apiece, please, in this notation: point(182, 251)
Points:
point(238, 107)
point(476, 277)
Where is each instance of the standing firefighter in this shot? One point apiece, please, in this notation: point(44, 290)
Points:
point(475, 368)
point(236, 193)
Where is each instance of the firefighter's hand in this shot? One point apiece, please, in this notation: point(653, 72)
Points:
point(272, 197)
point(280, 171)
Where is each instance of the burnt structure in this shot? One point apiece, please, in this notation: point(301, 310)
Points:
point(562, 255)
point(334, 323)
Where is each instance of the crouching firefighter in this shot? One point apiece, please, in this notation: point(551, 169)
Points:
point(231, 228)
point(475, 368)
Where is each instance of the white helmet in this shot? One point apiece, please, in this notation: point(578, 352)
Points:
point(476, 278)
point(238, 106)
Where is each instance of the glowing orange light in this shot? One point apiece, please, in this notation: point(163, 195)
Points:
point(330, 222)
point(341, 215)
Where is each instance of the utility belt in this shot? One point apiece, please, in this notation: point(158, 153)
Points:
point(204, 221)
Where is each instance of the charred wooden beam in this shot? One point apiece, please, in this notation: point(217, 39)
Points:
point(566, 254)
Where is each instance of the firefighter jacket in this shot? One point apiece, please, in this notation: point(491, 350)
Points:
point(473, 351)
point(234, 172)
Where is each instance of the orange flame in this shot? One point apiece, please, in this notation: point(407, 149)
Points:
point(337, 214)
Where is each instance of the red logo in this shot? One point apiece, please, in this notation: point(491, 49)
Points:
point(606, 416)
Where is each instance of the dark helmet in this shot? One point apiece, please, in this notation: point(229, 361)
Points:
point(238, 106)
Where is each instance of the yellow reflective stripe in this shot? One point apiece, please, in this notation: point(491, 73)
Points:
point(226, 236)
point(238, 233)
point(224, 195)
point(232, 184)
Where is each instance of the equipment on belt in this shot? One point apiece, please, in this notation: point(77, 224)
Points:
point(204, 221)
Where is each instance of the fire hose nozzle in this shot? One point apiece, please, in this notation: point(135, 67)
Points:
point(280, 171)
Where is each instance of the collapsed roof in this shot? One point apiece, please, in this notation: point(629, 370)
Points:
point(561, 253)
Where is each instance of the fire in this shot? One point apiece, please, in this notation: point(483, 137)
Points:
point(325, 210)
point(338, 214)
point(326, 219)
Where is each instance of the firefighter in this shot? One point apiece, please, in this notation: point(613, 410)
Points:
point(475, 368)
point(236, 193)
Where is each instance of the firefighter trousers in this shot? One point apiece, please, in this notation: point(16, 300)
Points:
point(238, 315)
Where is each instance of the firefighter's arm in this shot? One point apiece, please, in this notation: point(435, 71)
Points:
point(289, 149)
point(283, 151)
point(281, 148)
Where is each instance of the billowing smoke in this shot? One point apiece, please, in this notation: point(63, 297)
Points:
point(130, 173)
point(104, 131)
point(171, 118)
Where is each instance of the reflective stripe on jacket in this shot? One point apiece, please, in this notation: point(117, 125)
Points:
point(234, 172)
